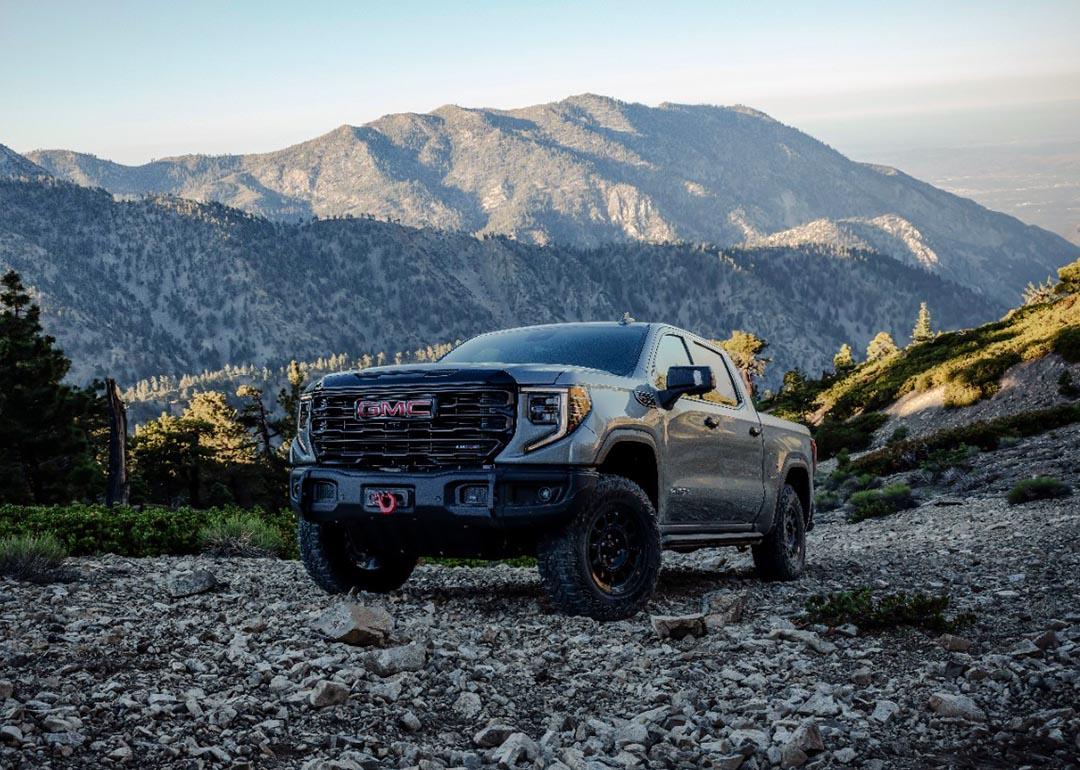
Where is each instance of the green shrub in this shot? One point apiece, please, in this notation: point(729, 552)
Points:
point(858, 607)
point(908, 455)
point(941, 460)
point(1066, 386)
point(899, 434)
point(875, 503)
point(30, 557)
point(833, 436)
point(1038, 488)
point(827, 501)
point(1067, 343)
point(978, 380)
point(241, 533)
point(126, 531)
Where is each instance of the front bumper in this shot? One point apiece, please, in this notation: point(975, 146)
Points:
point(512, 497)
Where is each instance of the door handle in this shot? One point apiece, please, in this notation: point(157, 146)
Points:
point(711, 423)
point(755, 430)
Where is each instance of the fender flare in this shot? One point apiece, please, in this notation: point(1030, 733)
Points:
point(802, 462)
point(627, 435)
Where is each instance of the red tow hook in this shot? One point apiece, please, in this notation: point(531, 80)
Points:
point(387, 502)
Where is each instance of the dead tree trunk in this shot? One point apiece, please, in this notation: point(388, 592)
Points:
point(116, 491)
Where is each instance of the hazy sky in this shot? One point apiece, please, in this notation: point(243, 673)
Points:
point(136, 80)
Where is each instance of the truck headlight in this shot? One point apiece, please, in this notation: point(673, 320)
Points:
point(303, 425)
point(562, 409)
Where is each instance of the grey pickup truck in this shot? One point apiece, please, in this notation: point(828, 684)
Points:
point(593, 446)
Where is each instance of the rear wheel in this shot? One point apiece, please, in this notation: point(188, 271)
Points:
point(782, 554)
point(338, 561)
point(604, 563)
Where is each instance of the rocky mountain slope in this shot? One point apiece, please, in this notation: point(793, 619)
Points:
point(12, 164)
point(115, 667)
point(170, 286)
point(589, 170)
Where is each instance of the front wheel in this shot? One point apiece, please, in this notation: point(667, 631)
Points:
point(782, 554)
point(338, 562)
point(604, 563)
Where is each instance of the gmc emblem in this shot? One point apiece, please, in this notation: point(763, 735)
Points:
point(417, 408)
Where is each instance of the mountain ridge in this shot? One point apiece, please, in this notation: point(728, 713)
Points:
point(166, 285)
point(590, 170)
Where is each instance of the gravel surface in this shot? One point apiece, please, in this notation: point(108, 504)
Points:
point(121, 665)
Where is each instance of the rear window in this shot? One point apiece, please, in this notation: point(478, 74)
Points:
point(614, 349)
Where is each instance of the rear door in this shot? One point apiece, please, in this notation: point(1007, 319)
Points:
point(736, 491)
point(691, 448)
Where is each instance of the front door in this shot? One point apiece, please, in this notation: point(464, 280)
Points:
point(691, 448)
point(737, 490)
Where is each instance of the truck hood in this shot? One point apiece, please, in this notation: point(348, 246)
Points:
point(429, 374)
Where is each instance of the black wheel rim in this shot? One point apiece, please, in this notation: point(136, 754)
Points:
point(615, 550)
point(792, 538)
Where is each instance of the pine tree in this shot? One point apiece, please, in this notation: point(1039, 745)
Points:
point(45, 450)
point(745, 349)
point(844, 360)
point(882, 346)
point(923, 331)
point(289, 401)
point(254, 417)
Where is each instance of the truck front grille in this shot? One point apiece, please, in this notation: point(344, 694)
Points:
point(469, 428)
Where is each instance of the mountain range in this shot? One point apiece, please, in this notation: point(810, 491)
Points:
point(590, 170)
point(166, 285)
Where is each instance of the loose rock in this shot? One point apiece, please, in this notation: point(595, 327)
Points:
point(678, 626)
point(355, 624)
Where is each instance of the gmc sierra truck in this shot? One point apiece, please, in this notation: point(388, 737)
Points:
point(592, 446)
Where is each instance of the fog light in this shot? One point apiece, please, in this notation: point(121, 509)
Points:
point(544, 494)
point(325, 491)
point(474, 495)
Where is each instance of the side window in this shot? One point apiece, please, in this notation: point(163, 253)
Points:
point(670, 352)
point(725, 393)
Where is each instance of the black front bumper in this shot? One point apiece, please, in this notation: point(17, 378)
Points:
point(512, 496)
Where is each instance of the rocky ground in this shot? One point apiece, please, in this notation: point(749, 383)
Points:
point(113, 668)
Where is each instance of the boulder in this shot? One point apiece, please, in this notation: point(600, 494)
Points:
point(493, 735)
point(468, 705)
point(954, 643)
point(956, 706)
point(809, 638)
point(516, 747)
point(884, 710)
point(327, 693)
point(356, 624)
point(190, 582)
point(723, 609)
point(394, 660)
point(678, 626)
point(808, 738)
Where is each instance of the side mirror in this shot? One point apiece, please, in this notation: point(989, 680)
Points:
point(685, 381)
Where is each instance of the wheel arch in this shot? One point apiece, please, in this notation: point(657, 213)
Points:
point(632, 454)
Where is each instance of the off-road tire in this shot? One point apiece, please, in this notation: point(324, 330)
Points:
point(777, 557)
point(324, 549)
point(563, 556)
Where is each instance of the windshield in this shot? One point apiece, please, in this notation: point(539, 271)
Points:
point(612, 349)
